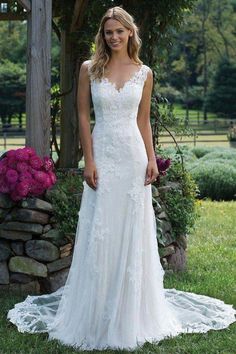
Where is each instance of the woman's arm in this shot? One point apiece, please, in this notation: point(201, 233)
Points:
point(143, 121)
point(83, 99)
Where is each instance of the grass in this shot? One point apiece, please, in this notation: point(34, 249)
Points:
point(210, 271)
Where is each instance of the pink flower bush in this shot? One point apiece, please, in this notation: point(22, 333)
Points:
point(23, 173)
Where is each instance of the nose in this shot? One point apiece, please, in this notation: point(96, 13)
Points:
point(114, 35)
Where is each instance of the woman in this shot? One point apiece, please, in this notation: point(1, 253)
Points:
point(114, 295)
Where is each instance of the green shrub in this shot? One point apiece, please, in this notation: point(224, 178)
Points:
point(200, 151)
point(180, 202)
point(65, 197)
point(216, 179)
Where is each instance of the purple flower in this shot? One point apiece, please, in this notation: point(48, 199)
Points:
point(162, 165)
point(11, 176)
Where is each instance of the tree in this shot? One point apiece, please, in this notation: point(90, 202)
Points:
point(12, 90)
point(221, 99)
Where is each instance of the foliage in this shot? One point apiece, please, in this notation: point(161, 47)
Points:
point(200, 151)
point(215, 181)
point(221, 98)
point(207, 35)
point(65, 197)
point(12, 88)
point(180, 202)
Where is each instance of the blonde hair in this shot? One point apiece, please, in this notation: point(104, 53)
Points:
point(103, 53)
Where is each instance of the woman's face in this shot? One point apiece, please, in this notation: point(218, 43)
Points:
point(116, 35)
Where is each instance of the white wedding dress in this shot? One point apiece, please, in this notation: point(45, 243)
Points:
point(114, 296)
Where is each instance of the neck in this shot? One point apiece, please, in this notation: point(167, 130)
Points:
point(119, 57)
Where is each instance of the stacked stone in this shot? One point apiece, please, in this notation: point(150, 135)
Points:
point(172, 251)
point(35, 255)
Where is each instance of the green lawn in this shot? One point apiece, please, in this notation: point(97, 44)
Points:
point(210, 271)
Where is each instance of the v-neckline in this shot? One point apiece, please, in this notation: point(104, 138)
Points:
point(113, 84)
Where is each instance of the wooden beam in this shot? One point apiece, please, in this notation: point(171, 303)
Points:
point(38, 84)
point(77, 18)
point(12, 17)
point(26, 4)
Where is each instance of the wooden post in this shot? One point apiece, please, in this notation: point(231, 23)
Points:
point(38, 83)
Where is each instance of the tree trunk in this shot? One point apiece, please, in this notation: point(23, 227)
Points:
point(68, 122)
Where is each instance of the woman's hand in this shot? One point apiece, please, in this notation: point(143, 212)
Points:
point(152, 172)
point(90, 174)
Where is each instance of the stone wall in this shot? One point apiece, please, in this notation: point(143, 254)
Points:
point(34, 255)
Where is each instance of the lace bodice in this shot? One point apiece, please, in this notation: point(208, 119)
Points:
point(112, 105)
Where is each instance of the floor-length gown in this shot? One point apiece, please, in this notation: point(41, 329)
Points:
point(114, 295)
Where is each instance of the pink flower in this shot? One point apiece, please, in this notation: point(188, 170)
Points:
point(52, 177)
point(40, 176)
point(23, 173)
point(22, 154)
point(3, 166)
point(3, 186)
point(25, 176)
point(12, 162)
point(47, 182)
point(31, 170)
point(30, 150)
point(22, 166)
point(11, 176)
point(11, 153)
point(22, 188)
point(36, 162)
point(48, 163)
point(12, 186)
point(36, 189)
